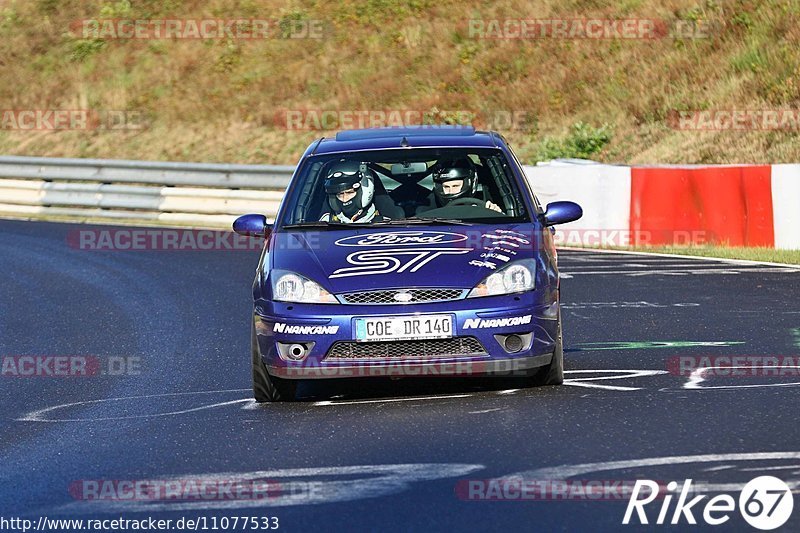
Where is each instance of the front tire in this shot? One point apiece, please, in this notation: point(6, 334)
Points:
point(553, 374)
point(267, 388)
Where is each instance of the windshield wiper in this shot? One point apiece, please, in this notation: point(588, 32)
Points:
point(418, 220)
point(320, 224)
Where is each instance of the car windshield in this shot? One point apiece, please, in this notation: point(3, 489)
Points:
point(405, 186)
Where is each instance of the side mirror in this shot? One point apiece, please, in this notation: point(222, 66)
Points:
point(252, 226)
point(561, 213)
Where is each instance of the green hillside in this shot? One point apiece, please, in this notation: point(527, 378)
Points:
point(230, 99)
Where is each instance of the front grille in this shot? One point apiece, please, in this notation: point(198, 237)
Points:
point(422, 349)
point(380, 297)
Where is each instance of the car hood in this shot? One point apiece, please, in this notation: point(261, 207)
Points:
point(401, 257)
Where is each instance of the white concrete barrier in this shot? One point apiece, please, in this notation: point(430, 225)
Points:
point(786, 205)
point(604, 193)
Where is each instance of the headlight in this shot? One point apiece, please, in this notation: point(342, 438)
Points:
point(514, 277)
point(291, 287)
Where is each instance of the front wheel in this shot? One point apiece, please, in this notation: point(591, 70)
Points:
point(267, 388)
point(553, 374)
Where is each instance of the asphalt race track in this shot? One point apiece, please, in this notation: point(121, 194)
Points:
point(387, 454)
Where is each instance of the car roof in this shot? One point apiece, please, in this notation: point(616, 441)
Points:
point(406, 137)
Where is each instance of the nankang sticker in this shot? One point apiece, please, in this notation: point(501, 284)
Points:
point(481, 323)
point(499, 249)
point(403, 238)
point(289, 329)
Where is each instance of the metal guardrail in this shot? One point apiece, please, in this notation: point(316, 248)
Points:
point(145, 192)
point(194, 194)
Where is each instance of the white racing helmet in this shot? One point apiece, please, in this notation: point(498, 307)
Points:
point(345, 175)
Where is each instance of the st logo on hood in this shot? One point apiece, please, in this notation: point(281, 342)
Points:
point(430, 245)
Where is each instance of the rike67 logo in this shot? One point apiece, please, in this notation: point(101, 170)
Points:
point(765, 502)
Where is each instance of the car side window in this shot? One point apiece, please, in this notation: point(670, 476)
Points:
point(311, 202)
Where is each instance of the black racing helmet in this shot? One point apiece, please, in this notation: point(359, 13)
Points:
point(451, 170)
point(344, 175)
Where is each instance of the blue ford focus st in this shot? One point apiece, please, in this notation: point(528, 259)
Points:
point(413, 251)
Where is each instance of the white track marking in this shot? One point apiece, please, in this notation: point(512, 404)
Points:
point(41, 415)
point(589, 260)
point(641, 304)
point(694, 381)
point(153, 415)
point(586, 382)
point(322, 485)
point(564, 472)
point(596, 386)
point(698, 376)
point(719, 468)
point(761, 469)
point(36, 416)
point(643, 345)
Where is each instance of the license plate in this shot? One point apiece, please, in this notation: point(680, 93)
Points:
point(398, 328)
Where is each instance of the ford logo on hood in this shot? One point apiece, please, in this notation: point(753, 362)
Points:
point(402, 238)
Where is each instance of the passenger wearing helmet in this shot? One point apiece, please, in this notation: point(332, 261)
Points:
point(453, 180)
point(350, 187)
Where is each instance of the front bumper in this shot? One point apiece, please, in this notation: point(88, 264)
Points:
point(318, 327)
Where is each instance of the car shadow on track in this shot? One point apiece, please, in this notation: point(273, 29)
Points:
point(399, 388)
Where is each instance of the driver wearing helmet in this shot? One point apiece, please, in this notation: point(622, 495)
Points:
point(453, 180)
point(350, 187)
